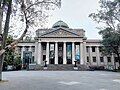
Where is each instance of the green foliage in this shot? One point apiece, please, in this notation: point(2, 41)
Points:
point(111, 41)
point(17, 62)
point(10, 57)
point(9, 39)
point(109, 15)
point(9, 54)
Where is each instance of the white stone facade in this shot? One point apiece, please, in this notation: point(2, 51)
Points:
point(62, 45)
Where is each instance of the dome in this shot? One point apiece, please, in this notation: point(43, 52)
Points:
point(60, 24)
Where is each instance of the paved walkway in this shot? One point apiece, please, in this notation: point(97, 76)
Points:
point(61, 80)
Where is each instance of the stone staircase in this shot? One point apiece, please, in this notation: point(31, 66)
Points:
point(61, 67)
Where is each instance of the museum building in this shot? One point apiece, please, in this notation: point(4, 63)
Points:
point(63, 45)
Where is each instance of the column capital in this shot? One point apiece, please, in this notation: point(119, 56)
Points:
point(64, 42)
point(97, 46)
point(23, 47)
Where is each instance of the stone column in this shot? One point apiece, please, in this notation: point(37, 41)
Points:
point(39, 60)
point(81, 53)
point(112, 60)
point(22, 50)
point(64, 53)
point(73, 52)
point(105, 62)
point(84, 53)
point(98, 55)
point(30, 48)
point(36, 52)
point(90, 54)
point(56, 52)
point(47, 53)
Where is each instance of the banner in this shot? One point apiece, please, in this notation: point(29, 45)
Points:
point(52, 51)
point(77, 52)
point(69, 51)
point(60, 51)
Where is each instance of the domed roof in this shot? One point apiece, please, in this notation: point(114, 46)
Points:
point(60, 24)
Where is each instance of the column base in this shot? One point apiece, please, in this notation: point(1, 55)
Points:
point(75, 68)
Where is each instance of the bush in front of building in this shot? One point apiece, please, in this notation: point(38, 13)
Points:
point(17, 62)
point(12, 62)
point(96, 67)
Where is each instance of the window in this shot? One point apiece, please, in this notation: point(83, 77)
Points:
point(87, 49)
point(116, 59)
point(101, 59)
point(93, 49)
point(100, 49)
point(87, 59)
point(94, 59)
point(109, 59)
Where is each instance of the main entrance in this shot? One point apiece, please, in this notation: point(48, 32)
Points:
point(60, 53)
point(69, 53)
point(52, 53)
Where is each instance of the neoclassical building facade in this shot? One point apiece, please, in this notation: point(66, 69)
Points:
point(63, 45)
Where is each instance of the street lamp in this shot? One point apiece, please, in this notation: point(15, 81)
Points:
point(75, 66)
point(45, 66)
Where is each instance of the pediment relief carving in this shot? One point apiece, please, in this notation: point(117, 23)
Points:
point(60, 33)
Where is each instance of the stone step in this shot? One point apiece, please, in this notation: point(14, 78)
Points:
point(65, 67)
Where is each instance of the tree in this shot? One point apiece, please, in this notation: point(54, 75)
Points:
point(17, 62)
point(29, 10)
point(9, 54)
point(109, 16)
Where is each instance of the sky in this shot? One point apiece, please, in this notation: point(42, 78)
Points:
point(75, 13)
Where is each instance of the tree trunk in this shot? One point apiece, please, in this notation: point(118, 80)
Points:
point(5, 34)
point(1, 64)
point(0, 41)
point(1, 16)
point(119, 60)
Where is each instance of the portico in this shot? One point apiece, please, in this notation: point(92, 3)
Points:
point(60, 45)
point(60, 52)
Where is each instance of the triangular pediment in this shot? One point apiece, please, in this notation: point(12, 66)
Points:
point(60, 33)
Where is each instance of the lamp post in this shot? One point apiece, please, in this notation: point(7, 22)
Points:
point(75, 66)
point(45, 65)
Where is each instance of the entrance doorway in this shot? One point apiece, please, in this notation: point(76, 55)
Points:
point(60, 53)
point(52, 53)
point(52, 61)
point(44, 57)
point(69, 53)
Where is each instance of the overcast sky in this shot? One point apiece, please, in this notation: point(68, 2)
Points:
point(75, 14)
